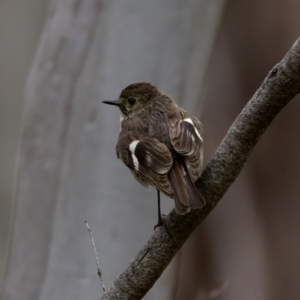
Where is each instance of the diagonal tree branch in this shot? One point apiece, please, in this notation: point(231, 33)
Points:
point(280, 86)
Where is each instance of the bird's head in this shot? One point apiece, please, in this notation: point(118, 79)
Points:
point(135, 98)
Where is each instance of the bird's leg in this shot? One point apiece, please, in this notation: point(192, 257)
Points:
point(160, 218)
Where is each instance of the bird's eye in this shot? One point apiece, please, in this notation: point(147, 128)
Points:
point(131, 101)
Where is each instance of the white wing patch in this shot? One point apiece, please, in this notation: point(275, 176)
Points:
point(189, 120)
point(132, 147)
point(148, 158)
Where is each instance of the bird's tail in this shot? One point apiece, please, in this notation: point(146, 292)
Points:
point(186, 195)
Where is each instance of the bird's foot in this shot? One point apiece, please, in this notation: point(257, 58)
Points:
point(161, 222)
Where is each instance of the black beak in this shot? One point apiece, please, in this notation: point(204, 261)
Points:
point(111, 102)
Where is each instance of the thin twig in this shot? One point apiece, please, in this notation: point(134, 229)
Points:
point(96, 255)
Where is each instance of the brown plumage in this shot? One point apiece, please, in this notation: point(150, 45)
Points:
point(161, 144)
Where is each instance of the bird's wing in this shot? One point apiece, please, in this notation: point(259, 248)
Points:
point(149, 159)
point(186, 138)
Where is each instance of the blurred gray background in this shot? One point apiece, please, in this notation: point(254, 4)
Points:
point(59, 60)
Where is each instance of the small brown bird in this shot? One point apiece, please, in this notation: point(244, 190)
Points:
point(161, 144)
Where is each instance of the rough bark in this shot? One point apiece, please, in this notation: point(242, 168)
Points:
point(280, 86)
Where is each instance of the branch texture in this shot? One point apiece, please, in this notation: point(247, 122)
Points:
point(280, 86)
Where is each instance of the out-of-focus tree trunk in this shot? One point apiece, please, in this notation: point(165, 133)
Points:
point(68, 170)
point(251, 240)
point(20, 26)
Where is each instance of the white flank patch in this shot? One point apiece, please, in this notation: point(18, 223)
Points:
point(132, 147)
point(189, 120)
